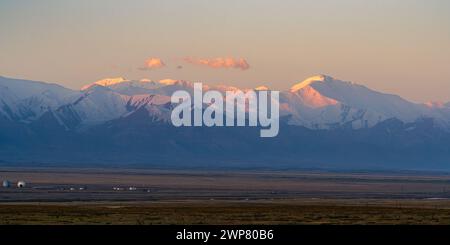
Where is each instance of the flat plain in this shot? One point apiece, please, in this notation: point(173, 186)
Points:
point(137, 196)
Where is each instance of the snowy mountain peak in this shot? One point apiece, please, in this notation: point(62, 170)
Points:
point(106, 82)
point(261, 88)
point(436, 104)
point(309, 81)
point(168, 81)
point(171, 84)
point(94, 88)
point(111, 81)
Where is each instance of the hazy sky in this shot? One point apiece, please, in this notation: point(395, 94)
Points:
point(396, 46)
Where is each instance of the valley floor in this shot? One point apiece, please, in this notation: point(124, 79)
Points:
point(98, 196)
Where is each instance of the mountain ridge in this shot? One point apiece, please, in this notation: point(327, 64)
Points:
point(128, 124)
point(317, 102)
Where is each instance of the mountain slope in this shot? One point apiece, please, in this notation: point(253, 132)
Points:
point(324, 102)
point(27, 100)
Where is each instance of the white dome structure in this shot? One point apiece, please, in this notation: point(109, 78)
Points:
point(21, 184)
point(6, 184)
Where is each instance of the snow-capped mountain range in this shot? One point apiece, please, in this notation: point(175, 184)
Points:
point(318, 102)
point(324, 123)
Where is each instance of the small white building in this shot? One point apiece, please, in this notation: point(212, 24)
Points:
point(21, 184)
point(6, 184)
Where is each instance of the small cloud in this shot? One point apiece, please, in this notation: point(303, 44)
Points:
point(220, 62)
point(153, 63)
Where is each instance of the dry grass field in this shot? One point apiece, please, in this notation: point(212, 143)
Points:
point(223, 213)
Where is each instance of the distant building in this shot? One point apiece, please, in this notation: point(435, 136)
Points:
point(21, 184)
point(6, 184)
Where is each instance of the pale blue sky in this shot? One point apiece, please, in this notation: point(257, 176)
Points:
point(396, 46)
